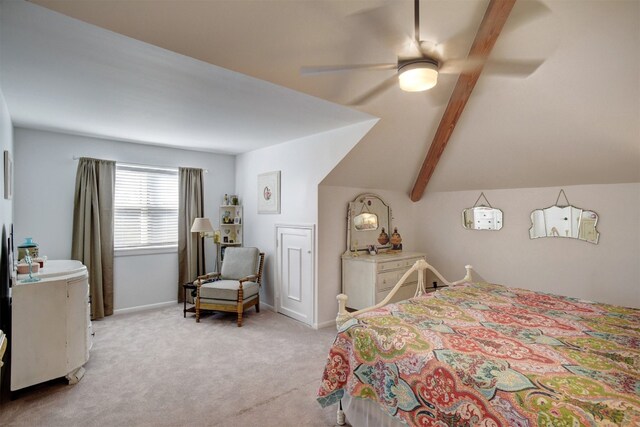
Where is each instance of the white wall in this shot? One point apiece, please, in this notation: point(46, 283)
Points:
point(45, 174)
point(607, 272)
point(303, 164)
point(6, 143)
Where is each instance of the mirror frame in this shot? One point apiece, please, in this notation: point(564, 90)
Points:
point(483, 207)
point(579, 232)
point(354, 209)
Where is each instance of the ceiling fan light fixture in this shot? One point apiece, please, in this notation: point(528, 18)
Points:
point(418, 76)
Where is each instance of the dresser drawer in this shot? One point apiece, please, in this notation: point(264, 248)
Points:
point(402, 263)
point(387, 280)
point(367, 279)
point(405, 292)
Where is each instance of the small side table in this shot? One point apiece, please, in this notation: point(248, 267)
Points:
point(191, 309)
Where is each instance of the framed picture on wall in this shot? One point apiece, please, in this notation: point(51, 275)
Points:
point(8, 175)
point(269, 193)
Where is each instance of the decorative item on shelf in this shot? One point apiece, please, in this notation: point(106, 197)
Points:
point(396, 240)
point(32, 269)
point(482, 217)
point(236, 220)
point(354, 253)
point(564, 221)
point(225, 239)
point(233, 200)
point(383, 238)
point(23, 267)
point(226, 218)
point(29, 245)
point(225, 200)
point(373, 250)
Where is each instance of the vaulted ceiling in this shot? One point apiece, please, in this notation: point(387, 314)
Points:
point(576, 120)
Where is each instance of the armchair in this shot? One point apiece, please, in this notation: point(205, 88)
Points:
point(236, 287)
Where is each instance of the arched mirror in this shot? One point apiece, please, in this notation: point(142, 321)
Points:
point(367, 216)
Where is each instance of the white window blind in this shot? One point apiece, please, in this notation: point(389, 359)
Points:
point(146, 207)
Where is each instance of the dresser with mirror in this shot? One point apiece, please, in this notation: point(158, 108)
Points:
point(367, 277)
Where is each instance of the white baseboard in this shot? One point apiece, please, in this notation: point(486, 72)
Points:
point(267, 306)
point(166, 304)
point(143, 307)
point(325, 324)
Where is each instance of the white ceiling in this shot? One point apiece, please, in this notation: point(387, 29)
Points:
point(575, 121)
point(63, 74)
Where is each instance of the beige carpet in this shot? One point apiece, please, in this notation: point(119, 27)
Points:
point(154, 368)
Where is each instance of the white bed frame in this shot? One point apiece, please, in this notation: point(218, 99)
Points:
point(420, 266)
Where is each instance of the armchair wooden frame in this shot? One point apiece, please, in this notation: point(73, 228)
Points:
point(240, 305)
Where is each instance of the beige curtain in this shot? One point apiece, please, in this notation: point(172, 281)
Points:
point(190, 245)
point(92, 241)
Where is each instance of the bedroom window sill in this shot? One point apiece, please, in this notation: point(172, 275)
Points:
point(146, 251)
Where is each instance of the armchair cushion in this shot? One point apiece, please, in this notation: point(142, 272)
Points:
point(228, 290)
point(239, 263)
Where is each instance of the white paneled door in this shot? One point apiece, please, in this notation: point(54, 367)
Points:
point(294, 274)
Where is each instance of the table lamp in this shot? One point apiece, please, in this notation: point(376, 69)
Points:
point(202, 226)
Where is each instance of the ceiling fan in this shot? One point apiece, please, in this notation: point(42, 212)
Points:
point(419, 70)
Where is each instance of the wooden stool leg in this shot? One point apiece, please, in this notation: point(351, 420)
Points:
point(184, 302)
point(258, 304)
point(198, 307)
point(240, 306)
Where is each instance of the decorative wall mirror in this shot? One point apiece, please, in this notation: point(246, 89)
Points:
point(367, 216)
point(482, 217)
point(564, 221)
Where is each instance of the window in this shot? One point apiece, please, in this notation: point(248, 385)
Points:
point(146, 207)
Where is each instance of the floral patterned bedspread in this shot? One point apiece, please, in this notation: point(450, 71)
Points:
point(488, 355)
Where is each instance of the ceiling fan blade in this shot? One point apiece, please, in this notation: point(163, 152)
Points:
point(339, 68)
point(524, 12)
point(459, 66)
point(375, 91)
point(512, 68)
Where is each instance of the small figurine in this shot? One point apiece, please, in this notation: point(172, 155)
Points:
point(226, 200)
point(28, 260)
point(383, 238)
point(396, 240)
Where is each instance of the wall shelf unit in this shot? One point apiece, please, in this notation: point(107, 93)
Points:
point(231, 222)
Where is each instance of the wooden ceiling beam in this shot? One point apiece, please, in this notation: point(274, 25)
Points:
point(494, 18)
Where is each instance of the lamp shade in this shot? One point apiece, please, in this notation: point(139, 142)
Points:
point(418, 76)
point(201, 225)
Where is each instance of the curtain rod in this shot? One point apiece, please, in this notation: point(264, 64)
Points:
point(149, 166)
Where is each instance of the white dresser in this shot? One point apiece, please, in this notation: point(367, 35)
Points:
point(50, 325)
point(367, 279)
